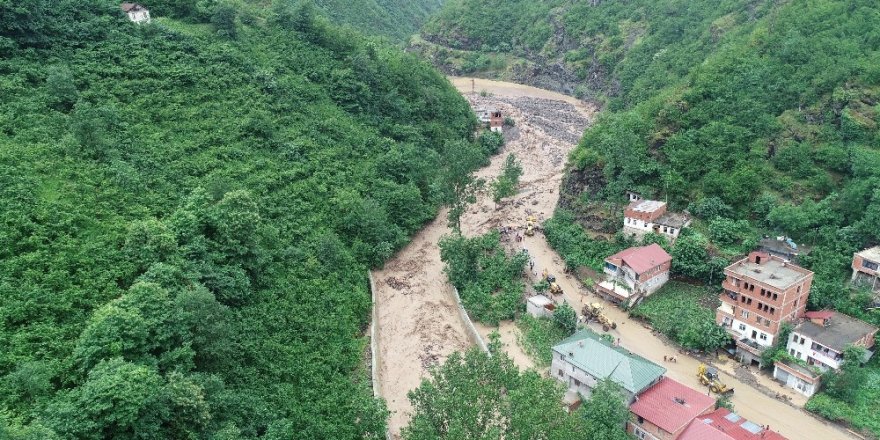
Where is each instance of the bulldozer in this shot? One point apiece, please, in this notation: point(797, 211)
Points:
point(551, 282)
point(594, 311)
point(709, 377)
point(530, 225)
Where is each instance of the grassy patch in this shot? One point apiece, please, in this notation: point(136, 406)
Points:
point(686, 314)
point(539, 335)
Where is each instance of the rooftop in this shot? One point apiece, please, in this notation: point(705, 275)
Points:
point(540, 300)
point(772, 271)
point(872, 254)
point(641, 258)
point(587, 351)
point(671, 405)
point(841, 331)
point(672, 219)
point(130, 6)
point(646, 205)
point(798, 368)
point(725, 425)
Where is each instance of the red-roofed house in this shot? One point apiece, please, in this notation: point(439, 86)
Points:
point(665, 410)
point(635, 273)
point(725, 425)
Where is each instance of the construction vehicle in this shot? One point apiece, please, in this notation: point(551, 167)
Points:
point(552, 284)
point(594, 311)
point(530, 225)
point(709, 377)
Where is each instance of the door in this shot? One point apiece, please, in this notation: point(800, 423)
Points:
point(754, 334)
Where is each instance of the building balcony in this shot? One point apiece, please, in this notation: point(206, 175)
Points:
point(750, 346)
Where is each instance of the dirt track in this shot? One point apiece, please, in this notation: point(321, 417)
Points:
point(417, 322)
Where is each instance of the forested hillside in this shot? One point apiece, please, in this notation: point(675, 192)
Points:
point(396, 19)
point(187, 213)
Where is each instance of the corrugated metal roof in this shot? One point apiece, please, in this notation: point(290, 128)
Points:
point(601, 360)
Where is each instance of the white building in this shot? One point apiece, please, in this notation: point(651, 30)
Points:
point(136, 13)
point(819, 342)
point(583, 359)
point(540, 306)
point(646, 216)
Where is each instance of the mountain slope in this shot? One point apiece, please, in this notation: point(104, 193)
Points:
point(188, 210)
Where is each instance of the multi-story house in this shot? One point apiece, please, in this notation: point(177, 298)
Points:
point(635, 273)
point(866, 268)
point(760, 293)
point(722, 424)
point(819, 341)
point(645, 216)
point(665, 410)
point(583, 359)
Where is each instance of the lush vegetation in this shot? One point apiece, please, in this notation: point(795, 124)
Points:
point(851, 395)
point(505, 184)
point(188, 209)
point(539, 335)
point(396, 19)
point(575, 245)
point(686, 314)
point(488, 280)
point(474, 395)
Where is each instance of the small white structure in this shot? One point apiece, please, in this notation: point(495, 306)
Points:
point(540, 306)
point(136, 13)
point(645, 216)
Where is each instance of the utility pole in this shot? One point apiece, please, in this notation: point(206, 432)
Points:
point(473, 87)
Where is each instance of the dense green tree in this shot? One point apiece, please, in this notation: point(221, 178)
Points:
point(565, 318)
point(505, 185)
point(605, 413)
point(474, 395)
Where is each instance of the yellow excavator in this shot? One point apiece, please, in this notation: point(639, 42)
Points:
point(551, 282)
point(709, 377)
point(594, 311)
point(530, 225)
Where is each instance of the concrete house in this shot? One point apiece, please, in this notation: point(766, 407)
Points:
point(135, 12)
point(540, 306)
point(722, 424)
point(665, 410)
point(496, 121)
point(583, 359)
point(635, 273)
point(645, 216)
point(760, 293)
point(866, 268)
point(820, 341)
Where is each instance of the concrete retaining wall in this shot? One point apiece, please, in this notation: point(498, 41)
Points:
point(374, 350)
point(469, 325)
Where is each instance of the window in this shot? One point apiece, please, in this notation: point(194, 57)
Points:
point(799, 289)
point(749, 300)
point(577, 383)
point(772, 310)
point(735, 282)
point(870, 265)
point(791, 351)
point(794, 339)
point(742, 327)
point(795, 303)
point(641, 435)
point(645, 224)
point(672, 230)
point(763, 336)
point(641, 420)
point(745, 314)
point(802, 341)
point(775, 296)
point(665, 229)
point(763, 292)
point(751, 287)
point(561, 373)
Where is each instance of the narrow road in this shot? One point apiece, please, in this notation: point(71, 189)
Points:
point(789, 421)
point(417, 322)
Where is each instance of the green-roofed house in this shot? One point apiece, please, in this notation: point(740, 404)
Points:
point(583, 359)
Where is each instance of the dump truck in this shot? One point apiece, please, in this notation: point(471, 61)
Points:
point(551, 282)
point(709, 377)
point(594, 311)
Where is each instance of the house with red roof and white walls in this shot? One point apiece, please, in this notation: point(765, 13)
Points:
point(635, 273)
point(665, 410)
point(722, 424)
